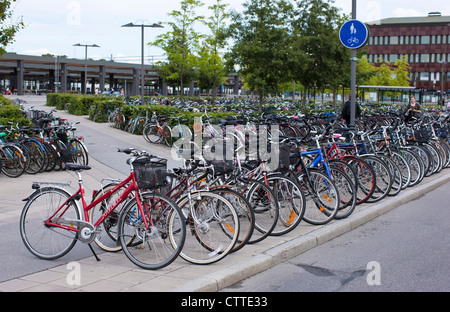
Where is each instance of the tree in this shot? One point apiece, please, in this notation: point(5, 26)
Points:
point(180, 45)
point(391, 74)
point(261, 52)
point(211, 68)
point(8, 29)
point(315, 33)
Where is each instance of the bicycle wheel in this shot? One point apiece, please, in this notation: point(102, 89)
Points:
point(291, 202)
point(245, 214)
point(403, 166)
point(13, 161)
point(366, 178)
point(79, 152)
point(347, 192)
point(212, 226)
point(397, 179)
point(37, 157)
point(415, 165)
point(265, 207)
point(167, 135)
point(153, 134)
point(52, 157)
point(48, 242)
point(435, 157)
point(322, 197)
point(383, 178)
point(425, 155)
point(159, 245)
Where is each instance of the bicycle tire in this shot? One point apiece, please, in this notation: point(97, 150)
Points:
point(153, 134)
point(52, 242)
point(37, 157)
point(365, 178)
point(415, 164)
point(347, 192)
point(383, 182)
point(79, 152)
point(319, 211)
point(397, 179)
point(245, 213)
point(291, 200)
point(159, 246)
point(213, 229)
point(265, 207)
point(403, 166)
point(11, 157)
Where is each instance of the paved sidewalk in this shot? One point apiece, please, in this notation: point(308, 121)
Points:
point(115, 273)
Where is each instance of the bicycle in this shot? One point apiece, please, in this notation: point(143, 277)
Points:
point(12, 158)
point(153, 131)
point(149, 224)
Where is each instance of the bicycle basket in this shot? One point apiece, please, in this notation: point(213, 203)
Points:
point(151, 173)
point(221, 167)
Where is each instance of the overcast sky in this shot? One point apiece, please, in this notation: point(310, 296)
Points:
point(54, 26)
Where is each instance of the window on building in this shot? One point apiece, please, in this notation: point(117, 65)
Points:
point(380, 40)
point(393, 40)
point(444, 39)
point(432, 58)
point(417, 40)
point(411, 58)
point(416, 58)
point(425, 40)
point(401, 40)
point(393, 58)
point(424, 76)
point(438, 39)
point(370, 40)
point(386, 40)
point(406, 39)
point(375, 40)
point(433, 39)
point(424, 58)
point(411, 39)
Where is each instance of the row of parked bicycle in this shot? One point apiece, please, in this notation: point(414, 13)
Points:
point(213, 206)
point(47, 145)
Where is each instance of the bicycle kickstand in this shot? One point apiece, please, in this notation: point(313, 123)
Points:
point(93, 252)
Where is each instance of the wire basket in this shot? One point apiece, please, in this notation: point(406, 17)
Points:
point(151, 173)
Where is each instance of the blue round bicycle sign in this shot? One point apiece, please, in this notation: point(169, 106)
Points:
point(353, 34)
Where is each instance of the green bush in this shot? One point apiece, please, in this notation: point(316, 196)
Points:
point(11, 113)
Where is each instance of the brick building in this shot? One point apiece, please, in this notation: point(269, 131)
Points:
point(423, 40)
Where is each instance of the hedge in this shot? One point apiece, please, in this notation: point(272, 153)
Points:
point(12, 113)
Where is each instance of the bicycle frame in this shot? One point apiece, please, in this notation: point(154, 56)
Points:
point(132, 186)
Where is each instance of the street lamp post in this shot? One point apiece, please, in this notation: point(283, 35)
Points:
point(443, 62)
point(86, 46)
point(142, 26)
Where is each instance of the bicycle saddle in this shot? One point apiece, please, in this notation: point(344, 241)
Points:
point(75, 167)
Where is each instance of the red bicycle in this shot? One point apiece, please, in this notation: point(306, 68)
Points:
point(150, 227)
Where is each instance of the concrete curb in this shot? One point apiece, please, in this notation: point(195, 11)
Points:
point(273, 256)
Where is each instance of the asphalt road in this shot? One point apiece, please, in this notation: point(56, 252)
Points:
point(404, 250)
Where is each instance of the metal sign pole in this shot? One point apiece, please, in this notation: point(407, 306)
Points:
point(353, 76)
